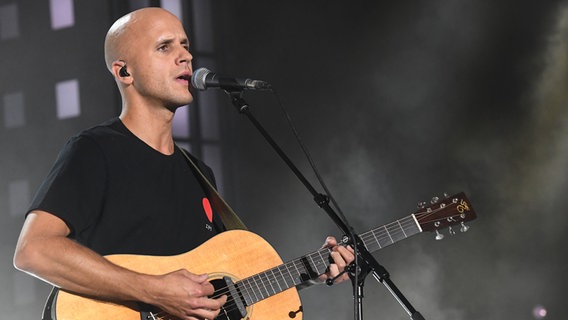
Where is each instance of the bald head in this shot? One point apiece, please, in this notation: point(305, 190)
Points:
point(125, 30)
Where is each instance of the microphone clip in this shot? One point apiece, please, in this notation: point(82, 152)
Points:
point(238, 101)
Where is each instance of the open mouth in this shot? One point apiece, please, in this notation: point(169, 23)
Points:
point(185, 77)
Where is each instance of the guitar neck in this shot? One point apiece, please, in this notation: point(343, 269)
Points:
point(391, 233)
point(310, 266)
point(452, 210)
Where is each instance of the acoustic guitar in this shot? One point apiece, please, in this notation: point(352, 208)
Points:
point(249, 271)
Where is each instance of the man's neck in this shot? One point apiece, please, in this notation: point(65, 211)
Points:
point(154, 128)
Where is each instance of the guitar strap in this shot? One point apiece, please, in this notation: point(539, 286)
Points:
point(228, 216)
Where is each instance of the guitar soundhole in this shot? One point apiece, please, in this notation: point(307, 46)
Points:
point(234, 308)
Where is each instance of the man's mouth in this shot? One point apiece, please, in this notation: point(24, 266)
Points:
point(185, 77)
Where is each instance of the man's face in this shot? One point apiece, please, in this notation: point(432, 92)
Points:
point(159, 60)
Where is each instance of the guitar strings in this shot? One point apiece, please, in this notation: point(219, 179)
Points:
point(271, 283)
point(391, 230)
point(384, 234)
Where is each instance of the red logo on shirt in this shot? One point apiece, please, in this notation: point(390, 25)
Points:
point(207, 209)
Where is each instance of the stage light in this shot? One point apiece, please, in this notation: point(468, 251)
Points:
point(539, 312)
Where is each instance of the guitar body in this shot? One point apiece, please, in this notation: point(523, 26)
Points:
point(236, 253)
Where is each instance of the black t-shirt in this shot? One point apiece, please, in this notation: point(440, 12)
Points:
point(119, 195)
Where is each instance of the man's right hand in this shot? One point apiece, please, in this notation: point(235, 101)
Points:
point(185, 295)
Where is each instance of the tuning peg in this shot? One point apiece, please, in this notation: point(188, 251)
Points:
point(434, 200)
point(446, 195)
point(452, 232)
point(463, 227)
point(421, 205)
point(439, 236)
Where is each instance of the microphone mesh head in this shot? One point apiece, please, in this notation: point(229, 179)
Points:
point(198, 79)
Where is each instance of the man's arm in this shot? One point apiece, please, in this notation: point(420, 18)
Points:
point(44, 251)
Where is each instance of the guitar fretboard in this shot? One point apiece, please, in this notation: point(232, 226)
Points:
point(310, 266)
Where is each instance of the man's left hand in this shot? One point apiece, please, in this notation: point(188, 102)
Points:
point(342, 256)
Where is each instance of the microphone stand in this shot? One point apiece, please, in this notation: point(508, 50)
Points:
point(365, 263)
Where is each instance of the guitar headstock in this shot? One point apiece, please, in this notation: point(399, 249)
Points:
point(452, 210)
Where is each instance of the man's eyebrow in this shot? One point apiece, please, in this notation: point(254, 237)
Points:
point(184, 41)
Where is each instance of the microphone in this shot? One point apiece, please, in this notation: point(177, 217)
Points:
point(203, 79)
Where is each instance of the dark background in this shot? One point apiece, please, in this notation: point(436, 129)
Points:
point(397, 103)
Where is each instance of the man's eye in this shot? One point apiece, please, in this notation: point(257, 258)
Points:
point(163, 47)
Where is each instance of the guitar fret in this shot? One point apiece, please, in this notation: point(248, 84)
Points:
point(313, 265)
point(400, 225)
point(276, 280)
point(252, 295)
point(279, 278)
point(273, 282)
point(414, 226)
point(286, 285)
point(255, 288)
point(266, 283)
point(257, 279)
point(261, 286)
point(395, 233)
point(385, 240)
point(377, 240)
point(244, 292)
point(386, 235)
point(324, 261)
point(255, 292)
point(248, 293)
point(316, 265)
point(299, 278)
point(287, 273)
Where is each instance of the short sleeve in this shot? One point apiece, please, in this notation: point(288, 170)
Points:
point(74, 188)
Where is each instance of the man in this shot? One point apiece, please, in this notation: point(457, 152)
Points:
point(123, 186)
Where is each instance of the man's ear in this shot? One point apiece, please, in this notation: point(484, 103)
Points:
point(120, 71)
